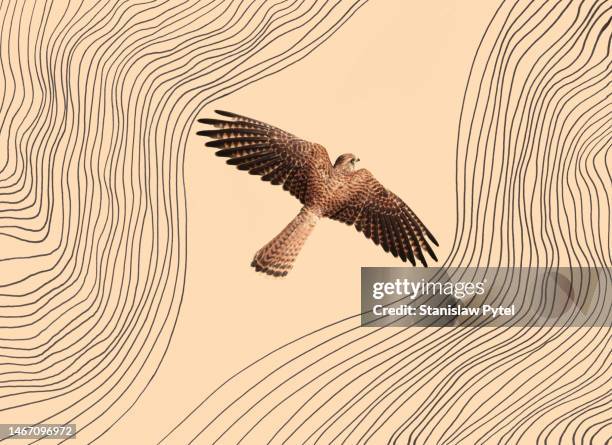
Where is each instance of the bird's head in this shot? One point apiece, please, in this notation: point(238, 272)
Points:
point(346, 161)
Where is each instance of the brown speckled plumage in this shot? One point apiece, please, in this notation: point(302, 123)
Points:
point(339, 192)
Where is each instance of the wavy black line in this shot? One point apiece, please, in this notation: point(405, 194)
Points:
point(532, 190)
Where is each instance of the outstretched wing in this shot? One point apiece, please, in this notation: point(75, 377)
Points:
point(384, 218)
point(277, 156)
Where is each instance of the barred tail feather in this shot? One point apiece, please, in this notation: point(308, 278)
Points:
point(277, 257)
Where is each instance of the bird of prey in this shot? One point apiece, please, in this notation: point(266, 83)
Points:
point(337, 191)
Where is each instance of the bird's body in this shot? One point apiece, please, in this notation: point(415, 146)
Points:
point(336, 191)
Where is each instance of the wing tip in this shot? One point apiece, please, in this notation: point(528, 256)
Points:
point(429, 250)
point(217, 122)
point(411, 259)
point(433, 239)
point(226, 113)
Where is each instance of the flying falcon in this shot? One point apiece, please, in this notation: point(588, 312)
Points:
point(337, 191)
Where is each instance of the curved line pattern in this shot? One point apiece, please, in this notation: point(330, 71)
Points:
point(533, 182)
point(97, 102)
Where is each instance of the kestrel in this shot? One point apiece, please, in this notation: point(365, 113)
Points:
point(337, 191)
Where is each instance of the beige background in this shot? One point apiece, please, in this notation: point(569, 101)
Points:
point(387, 87)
